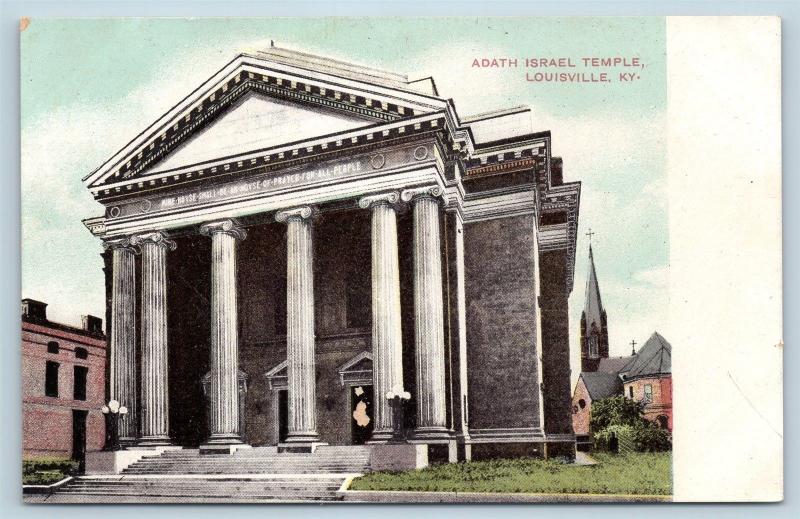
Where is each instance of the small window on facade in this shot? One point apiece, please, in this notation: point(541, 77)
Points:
point(52, 347)
point(648, 393)
point(81, 353)
point(51, 379)
point(630, 391)
point(582, 403)
point(79, 392)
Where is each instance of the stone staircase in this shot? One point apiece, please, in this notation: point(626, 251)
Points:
point(249, 475)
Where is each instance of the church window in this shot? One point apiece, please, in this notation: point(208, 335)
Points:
point(593, 349)
point(51, 379)
point(648, 393)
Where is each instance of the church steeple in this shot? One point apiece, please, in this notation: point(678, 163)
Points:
point(594, 328)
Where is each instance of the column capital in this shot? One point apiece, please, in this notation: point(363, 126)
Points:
point(120, 244)
point(296, 213)
point(156, 238)
point(228, 226)
point(392, 197)
point(421, 192)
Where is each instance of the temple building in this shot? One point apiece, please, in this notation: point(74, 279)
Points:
point(299, 237)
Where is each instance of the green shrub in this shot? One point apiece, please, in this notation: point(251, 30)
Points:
point(649, 438)
point(44, 471)
point(616, 410)
point(602, 438)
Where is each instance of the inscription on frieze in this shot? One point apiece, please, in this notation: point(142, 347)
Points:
point(269, 182)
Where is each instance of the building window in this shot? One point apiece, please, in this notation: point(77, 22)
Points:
point(593, 349)
point(648, 393)
point(79, 392)
point(51, 379)
point(359, 299)
point(630, 391)
point(52, 347)
point(663, 421)
point(280, 305)
point(81, 353)
point(582, 403)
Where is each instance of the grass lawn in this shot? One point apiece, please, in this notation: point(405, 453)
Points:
point(635, 473)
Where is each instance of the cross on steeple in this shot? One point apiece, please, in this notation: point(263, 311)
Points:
point(633, 347)
point(590, 234)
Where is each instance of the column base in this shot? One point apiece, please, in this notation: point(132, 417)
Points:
point(154, 441)
point(301, 442)
point(381, 437)
point(435, 434)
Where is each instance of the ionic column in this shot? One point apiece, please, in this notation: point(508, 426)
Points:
point(155, 394)
point(224, 390)
point(387, 339)
point(302, 434)
point(122, 343)
point(428, 312)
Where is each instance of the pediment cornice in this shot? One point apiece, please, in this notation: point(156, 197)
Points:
point(373, 102)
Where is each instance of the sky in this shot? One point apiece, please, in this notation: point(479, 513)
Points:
point(90, 85)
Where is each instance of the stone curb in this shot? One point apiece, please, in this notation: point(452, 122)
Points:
point(402, 496)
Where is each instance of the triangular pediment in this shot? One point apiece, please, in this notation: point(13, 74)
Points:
point(257, 102)
point(256, 122)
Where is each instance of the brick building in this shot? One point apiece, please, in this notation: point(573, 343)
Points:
point(305, 235)
point(63, 384)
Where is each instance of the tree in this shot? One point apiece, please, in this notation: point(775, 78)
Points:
point(616, 410)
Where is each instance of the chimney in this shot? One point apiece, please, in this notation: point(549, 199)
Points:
point(92, 324)
point(33, 309)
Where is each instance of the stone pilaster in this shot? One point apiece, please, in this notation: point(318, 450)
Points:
point(122, 343)
point(223, 387)
point(154, 386)
point(428, 313)
point(387, 339)
point(300, 337)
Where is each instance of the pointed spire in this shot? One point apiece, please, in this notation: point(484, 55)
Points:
point(594, 306)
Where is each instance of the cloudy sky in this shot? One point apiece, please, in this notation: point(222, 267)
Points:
point(89, 86)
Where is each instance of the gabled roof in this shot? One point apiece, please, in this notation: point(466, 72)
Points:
point(654, 358)
point(601, 385)
point(286, 75)
point(615, 365)
point(593, 309)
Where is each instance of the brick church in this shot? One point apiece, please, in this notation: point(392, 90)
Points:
point(300, 236)
point(645, 376)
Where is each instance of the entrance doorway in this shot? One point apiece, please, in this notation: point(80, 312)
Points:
point(362, 420)
point(79, 438)
point(283, 415)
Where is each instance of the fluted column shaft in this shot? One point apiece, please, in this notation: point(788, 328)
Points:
point(300, 326)
point(122, 344)
point(224, 392)
point(387, 338)
point(155, 364)
point(428, 312)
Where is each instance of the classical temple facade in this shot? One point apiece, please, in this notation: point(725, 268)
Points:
point(300, 236)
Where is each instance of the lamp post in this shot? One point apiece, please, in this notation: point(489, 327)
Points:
point(398, 398)
point(113, 411)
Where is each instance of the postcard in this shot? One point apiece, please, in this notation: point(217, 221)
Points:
point(401, 260)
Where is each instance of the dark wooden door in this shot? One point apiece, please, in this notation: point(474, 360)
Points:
point(283, 415)
point(79, 438)
point(362, 420)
